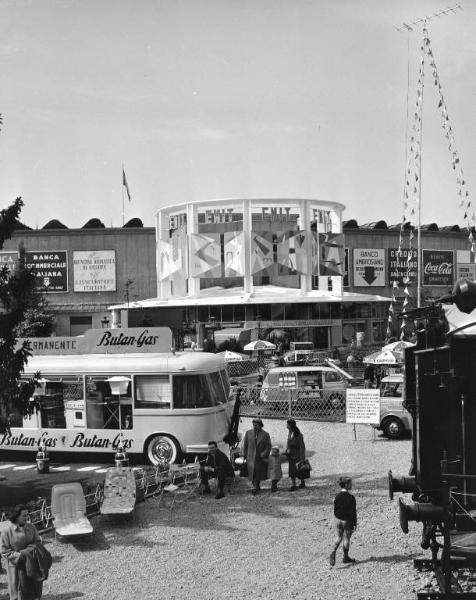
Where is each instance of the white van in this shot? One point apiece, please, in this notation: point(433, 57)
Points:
point(316, 384)
point(395, 420)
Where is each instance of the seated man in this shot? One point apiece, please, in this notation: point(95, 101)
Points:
point(216, 465)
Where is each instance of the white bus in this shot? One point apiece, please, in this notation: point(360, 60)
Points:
point(161, 404)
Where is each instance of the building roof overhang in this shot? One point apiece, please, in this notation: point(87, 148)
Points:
point(268, 294)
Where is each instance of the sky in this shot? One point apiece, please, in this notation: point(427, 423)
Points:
point(201, 99)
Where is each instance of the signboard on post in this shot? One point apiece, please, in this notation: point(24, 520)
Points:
point(363, 406)
point(438, 267)
point(106, 341)
point(51, 269)
point(369, 267)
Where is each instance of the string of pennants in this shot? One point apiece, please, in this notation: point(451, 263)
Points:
point(465, 203)
point(411, 194)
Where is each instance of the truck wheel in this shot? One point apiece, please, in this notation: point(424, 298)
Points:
point(392, 428)
point(161, 449)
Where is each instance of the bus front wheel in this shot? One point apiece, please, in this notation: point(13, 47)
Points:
point(162, 449)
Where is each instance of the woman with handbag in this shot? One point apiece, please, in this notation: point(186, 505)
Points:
point(296, 452)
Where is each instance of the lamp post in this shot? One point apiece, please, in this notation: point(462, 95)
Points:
point(212, 323)
point(258, 322)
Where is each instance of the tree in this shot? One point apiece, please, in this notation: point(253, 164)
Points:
point(39, 320)
point(17, 297)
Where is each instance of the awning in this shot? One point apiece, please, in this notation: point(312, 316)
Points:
point(221, 335)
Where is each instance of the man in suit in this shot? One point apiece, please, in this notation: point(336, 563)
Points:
point(256, 448)
point(216, 465)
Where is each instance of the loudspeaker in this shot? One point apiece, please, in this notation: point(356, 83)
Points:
point(406, 485)
point(419, 511)
point(463, 295)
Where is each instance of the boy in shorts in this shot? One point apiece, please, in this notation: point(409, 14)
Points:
point(345, 512)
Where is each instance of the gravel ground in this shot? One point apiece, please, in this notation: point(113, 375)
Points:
point(244, 546)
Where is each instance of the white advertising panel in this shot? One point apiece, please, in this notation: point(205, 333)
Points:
point(369, 267)
point(464, 266)
point(94, 271)
point(363, 406)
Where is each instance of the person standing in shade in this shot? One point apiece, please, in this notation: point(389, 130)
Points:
point(345, 512)
point(369, 374)
point(256, 448)
point(295, 451)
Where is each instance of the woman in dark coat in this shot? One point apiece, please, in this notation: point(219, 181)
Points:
point(17, 536)
point(295, 451)
point(256, 448)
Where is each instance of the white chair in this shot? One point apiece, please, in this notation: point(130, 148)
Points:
point(68, 509)
point(119, 491)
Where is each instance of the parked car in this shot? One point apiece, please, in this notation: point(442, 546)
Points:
point(305, 385)
point(395, 420)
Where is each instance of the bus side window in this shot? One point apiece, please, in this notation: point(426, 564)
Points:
point(192, 391)
point(99, 408)
point(152, 391)
point(52, 406)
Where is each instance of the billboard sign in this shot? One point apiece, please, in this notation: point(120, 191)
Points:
point(438, 267)
point(9, 259)
point(94, 271)
point(398, 265)
point(369, 267)
point(51, 269)
point(465, 267)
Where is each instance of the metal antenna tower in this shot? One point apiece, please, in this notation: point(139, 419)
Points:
point(446, 11)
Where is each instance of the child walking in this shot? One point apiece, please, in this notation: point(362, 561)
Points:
point(345, 512)
point(275, 472)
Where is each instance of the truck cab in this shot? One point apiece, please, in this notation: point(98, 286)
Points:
point(395, 421)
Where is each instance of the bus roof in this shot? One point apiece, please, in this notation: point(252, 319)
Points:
point(76, 364)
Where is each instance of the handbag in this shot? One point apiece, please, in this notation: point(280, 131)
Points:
point(304, 469)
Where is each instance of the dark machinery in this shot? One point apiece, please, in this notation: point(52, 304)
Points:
point(440, 393)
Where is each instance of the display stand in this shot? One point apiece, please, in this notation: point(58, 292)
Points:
point(363, 408)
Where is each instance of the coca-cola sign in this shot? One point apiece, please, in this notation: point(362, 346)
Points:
point(438, 267)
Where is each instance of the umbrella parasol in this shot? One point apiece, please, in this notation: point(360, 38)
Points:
point(398, 346)
point(230, 356)
point(260, 345)
point(384, 357)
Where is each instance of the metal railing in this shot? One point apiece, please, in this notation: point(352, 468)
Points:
point(285, 402)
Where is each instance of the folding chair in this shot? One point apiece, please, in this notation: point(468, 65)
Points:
point(68, 510)
point(184, 480)
point(119, 491)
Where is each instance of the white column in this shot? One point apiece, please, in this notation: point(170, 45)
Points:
point(158, 235)
point(116, 318)
point(305, 217)
point(192, 227)
point(247, 232)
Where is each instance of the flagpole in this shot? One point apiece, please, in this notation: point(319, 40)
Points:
point(122, 187)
